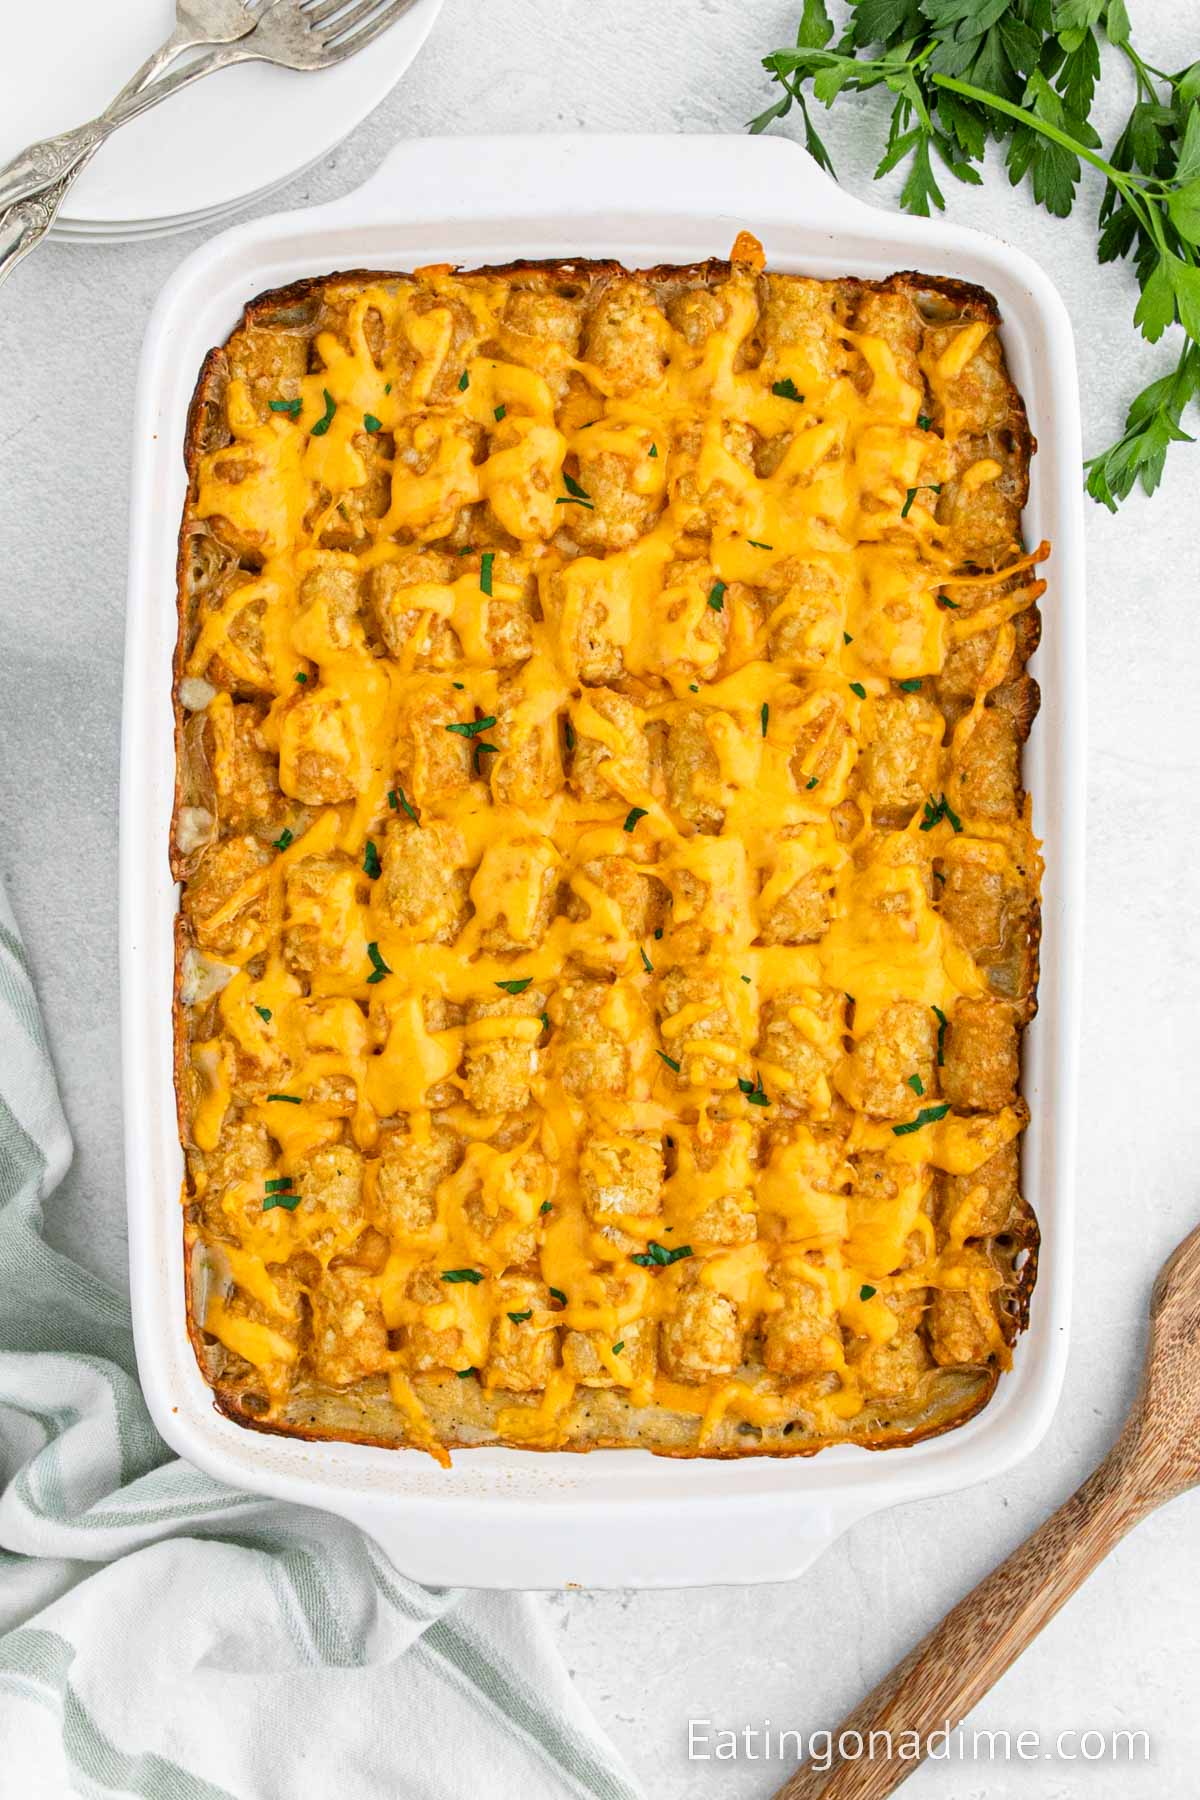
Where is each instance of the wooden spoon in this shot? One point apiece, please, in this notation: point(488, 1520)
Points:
point(1156, 1457)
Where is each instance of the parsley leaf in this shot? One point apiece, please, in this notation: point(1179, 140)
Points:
point(632, 816)
point(471, 727)
point(716, 596)
point(456, 1275)
point(657, 1256)
point(326, 420)
point(928, 1115)
point(516, 986)
point(786, 390)
point(371, 863)
point(378, 965)
point(485, 574)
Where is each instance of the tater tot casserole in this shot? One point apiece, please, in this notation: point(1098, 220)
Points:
point(609, 898)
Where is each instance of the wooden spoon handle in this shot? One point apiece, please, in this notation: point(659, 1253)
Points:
point(951, 1669)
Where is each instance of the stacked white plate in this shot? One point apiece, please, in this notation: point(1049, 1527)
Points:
point(203, 154)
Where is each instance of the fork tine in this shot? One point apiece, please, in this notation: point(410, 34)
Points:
point(340, 16)
point(340, 45)
point(316, 12)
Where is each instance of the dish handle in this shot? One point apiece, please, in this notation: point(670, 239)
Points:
point(639, 176)
point(601, 1547)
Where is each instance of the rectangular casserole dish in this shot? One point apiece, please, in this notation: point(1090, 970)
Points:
point(610, 1519)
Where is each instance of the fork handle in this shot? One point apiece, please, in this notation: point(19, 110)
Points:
point(46, 162)
point(951, 1669)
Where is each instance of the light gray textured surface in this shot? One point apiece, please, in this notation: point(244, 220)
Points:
point(1126, 1652)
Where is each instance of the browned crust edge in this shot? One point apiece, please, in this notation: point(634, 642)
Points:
point(969, 300)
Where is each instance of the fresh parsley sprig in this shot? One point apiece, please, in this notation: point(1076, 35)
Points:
point(1025, 73)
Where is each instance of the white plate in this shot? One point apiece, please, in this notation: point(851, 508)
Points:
point(616, 1518)
point(235, 135)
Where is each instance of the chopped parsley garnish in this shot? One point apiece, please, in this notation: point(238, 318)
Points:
point(371, 423)
point(301, 677)
point(786, 390)
point(746, 979)
point(491, 749)
point(757, 545)
point(856, 687)
point(936, 810)
point(498, 413)
point(867, 1292)
point(943, 1021)
point(658, 931)
point(557, 1294)
point(657, 1256)
point(485, 570)
point(575, 495)
point(471, 1275)
point(515, 987)
point(646, 963)
point(916, 1084)
point(928, 1115)
point(911, 687)
point(618, 1347)
point(460, 685)
point(464, 1374)
point(547, 1205)
point(568, 734)
point(632, 816)
point(264, 1013)
point(290, 407)
point(924, 422)
point(397, 799)
point(471, 727)
point(283, 840)
point(846, 638)
point(371, 864)
point(387, 387)
point(716, 596)
point(764, 715)
point(464, 382)
point(519, 1318)
point(693, 687)
point(280, 1193)
point(811, 782)
point(467, 550)
point(952, 605)
point(287, 1099)
point(669, 1060)
point(545, 1017)
point(933, 487)
point(654, 449)
point(377, 963)
point(326, 420)
point(753, 1090)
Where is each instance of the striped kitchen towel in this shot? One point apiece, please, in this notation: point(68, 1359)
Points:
point(162, 1636)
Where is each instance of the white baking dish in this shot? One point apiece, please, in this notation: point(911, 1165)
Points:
point(503, 1518)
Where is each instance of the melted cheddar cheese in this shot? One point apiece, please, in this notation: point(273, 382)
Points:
point(609, 897)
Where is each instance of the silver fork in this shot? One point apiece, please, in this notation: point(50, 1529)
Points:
point(294, 34)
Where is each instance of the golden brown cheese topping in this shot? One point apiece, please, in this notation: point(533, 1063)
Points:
point(610, 903)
